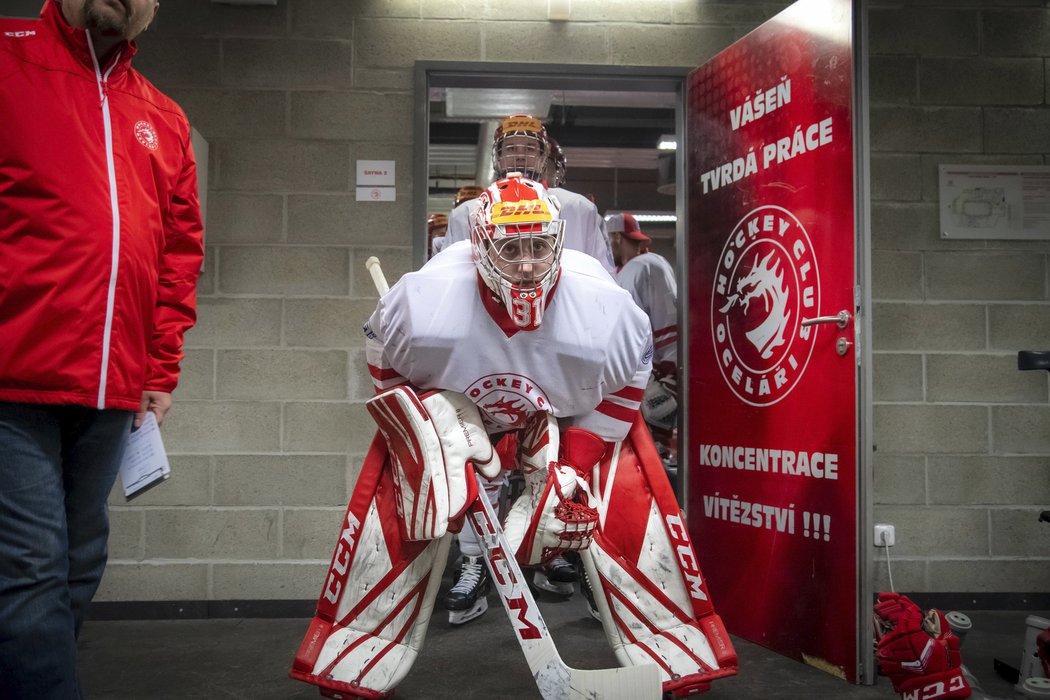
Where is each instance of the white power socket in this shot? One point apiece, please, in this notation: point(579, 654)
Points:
point(885, 535)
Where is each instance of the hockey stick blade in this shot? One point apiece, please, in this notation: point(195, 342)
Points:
point(555, 680)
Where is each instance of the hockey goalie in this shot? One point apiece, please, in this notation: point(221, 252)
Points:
point(509, 335)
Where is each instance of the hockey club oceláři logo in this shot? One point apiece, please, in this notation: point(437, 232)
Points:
point(507, 399)
point(146, 135)
point(766, 282)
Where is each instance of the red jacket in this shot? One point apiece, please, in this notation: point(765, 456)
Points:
point(100, 232)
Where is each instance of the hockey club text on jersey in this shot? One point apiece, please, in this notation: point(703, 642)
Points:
point(507, 399)
point(341, 561)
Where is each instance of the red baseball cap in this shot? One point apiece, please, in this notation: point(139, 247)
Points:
point(632, 230)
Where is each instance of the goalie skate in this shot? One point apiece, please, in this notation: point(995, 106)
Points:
point(556, 577)
point(467, 600)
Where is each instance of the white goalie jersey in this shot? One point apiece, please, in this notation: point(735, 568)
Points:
point(587, 363)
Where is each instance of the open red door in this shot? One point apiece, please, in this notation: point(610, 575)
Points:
point(773, 485)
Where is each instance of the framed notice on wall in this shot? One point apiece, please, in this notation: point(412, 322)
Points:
point(1008, 202)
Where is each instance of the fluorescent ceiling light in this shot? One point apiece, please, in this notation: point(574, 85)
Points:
point(667, 142)
point(651, 217)
point(480, 103)
point(656, 218)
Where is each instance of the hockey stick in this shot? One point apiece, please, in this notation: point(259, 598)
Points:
point(555, 680)
point(372, 264)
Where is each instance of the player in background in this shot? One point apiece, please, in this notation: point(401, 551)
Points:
point(522, 144)
point(436, 226)
point(650, 279)
point(463, 194)
point(580, 212)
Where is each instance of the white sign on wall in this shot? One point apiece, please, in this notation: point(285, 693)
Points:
point(376, 194)
point(375, 172)
point(1008, 202)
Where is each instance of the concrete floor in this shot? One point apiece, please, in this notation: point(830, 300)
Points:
point(249, 658)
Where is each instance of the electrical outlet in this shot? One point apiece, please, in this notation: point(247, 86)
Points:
point(885, 535)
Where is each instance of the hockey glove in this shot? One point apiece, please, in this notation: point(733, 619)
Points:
point(917, 652)
point(556, 511)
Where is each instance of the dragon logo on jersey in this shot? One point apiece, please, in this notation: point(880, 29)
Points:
point(507, 399)
point(767, 280)
point(146, 135)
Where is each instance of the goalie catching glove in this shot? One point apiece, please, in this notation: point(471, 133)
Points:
point(556, 511)
point(918, 652)
point(431, 438)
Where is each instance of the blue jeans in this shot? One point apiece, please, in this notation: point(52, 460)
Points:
point(57, 467)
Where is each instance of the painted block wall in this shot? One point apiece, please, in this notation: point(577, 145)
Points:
point(963, 438)
point(269, 428)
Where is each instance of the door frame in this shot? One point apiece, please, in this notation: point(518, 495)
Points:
point(863, 325)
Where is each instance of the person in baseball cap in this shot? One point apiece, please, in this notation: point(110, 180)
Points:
point(625, 237)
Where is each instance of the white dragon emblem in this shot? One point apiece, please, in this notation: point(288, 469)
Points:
point(767, 282)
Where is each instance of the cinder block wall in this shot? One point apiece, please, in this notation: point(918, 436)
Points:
point(269, 429)
point(963, 461)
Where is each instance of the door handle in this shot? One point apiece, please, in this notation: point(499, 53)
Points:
point(840, 319)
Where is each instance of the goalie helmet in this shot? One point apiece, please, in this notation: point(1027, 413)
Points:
point(517, 237)
point(521, 145)
point(464, 194)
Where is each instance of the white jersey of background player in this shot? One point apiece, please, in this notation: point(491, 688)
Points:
point(565, 340)
point(651, 282)
point(650, 279)
point(521, 144)
point(464, 195)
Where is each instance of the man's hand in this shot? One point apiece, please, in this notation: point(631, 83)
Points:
point(157, 401)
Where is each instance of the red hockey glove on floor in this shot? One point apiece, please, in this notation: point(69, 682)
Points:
point(917, 652)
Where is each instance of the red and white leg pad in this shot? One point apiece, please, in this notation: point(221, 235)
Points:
point(430, 439)
point(645, 576)
point(377, 598)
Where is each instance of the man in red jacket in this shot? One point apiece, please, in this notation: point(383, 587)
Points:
point(100, 250)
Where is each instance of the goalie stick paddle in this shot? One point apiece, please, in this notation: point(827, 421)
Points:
point(555, 680)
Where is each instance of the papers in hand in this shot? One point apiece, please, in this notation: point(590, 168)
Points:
point(145, 463)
